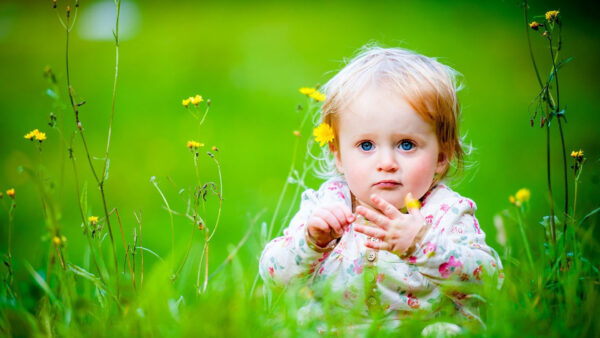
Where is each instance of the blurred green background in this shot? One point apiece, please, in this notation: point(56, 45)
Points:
point(250, 58)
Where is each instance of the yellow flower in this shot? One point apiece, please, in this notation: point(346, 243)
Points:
point(10, 193)
point(194, 144)
point(523, 195)
point(1, 195)
point(93, 220)
point(307, 91)
point(551, 15)
point(40, 136)
point(30, 135)
point(56, 240)
point(318, 96)
point(512, 199)
point(323, 134)
point(186, 102)
point(577, 154)
point(196, 99)
point(534, 25)
point(214, 148)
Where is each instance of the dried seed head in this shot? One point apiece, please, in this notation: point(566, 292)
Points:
point(68, 11)
point(53, 3)
point(208, 102)
point(79, 125)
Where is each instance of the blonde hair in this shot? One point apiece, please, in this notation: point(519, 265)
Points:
point(427, 85)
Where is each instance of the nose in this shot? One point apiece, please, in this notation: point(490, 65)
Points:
point(387, 161)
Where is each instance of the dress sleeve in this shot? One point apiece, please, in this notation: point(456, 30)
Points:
point(454, 248)
point(293, 255)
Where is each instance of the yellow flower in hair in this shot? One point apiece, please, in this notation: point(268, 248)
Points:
point(318, 96)
point(307, 91)
point(323, 134)
point(551, 15)
point(523, 195)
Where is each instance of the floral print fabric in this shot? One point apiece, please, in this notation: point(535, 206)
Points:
point(451, 258)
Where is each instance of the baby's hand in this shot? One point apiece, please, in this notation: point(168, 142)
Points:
point(395, 229)
point(329, 222)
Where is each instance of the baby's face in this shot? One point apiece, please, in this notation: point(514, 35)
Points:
point(386, 148)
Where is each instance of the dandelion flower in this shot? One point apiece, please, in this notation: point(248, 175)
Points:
point(523, 195)
point(577, 154)
point(323, 134)
point(196, 99)
point(186, 102)
point(40, 136)
point(194, 144)
point(307, 91)
point(93, 220)
point(551, 15)
point(30, 135)
point(10, 193)
point(318, 96)
point(534, 25)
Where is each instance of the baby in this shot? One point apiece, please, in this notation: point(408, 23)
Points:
point(384, 232)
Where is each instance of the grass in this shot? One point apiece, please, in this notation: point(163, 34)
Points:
point(116, 285)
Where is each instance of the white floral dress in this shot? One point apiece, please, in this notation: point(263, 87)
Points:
point(451, 251)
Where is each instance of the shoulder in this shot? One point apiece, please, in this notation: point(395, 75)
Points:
point(333, 190)
point(442, 201)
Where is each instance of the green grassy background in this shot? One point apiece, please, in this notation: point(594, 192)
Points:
point(250, 59)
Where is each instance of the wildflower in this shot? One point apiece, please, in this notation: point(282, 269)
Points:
point(40, 136)
point(296, 133)
point(194, 144)
point(307, 91)
point(186, 102)
point(323, 134)
point(93, 220)
point(30, 135)
point(534, 25)
point(512, 200)
point(10, 193)
point(551, 15)
point(1, 195)
point(196, 99)
point(577, 154)
point(56, 240)
point(318, 96)
point(523, 195)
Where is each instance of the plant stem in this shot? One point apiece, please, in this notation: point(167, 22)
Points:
point(126, 250)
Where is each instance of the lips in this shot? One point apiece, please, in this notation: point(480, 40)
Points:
point(387, 184)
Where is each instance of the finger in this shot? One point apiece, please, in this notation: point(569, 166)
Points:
point(377, 245)
point(318, 225)
point(348, 214)
point(370, 231)
point(338, 212)
point(332, 222)
point(373, 216)
point(386, 207)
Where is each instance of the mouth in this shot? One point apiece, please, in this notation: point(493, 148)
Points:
point(386, 184)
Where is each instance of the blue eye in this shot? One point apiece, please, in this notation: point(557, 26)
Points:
point(407, 145)
point(366, 145)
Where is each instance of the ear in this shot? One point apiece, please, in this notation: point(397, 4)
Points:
point(442, 163)
point(337, 156)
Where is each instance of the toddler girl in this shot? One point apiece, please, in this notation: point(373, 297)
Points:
point(384, 232)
